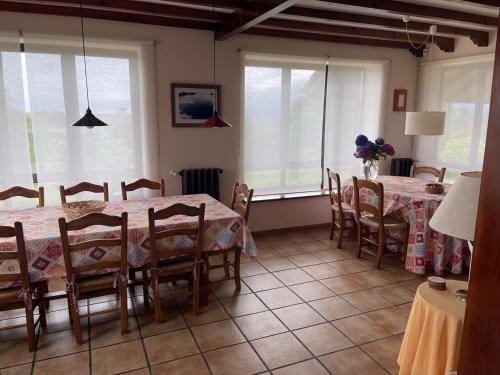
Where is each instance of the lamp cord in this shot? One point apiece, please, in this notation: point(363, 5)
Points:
point(409, 39)
point(215, 92)
point(428, 88)
point(84, 54)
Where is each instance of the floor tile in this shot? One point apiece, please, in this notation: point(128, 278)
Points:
point(385, 352)
point(320, 234)
point(309, 367)
point(243, 305)
point(350, 266)
point(412, 284)
point(141, 371)
point(293, 276)
point(344, 284)
point(194, 365)
point(74, 364)
point(280, 350)
point(227, 288)
point(332, 255)
point(168, 346)
point(366, 300)
point(303, 260)
point(322, 271)
point(210, 313)
point(299, 237)
point(280, 297)
point(375, 278)
point(172, 320)
point(395, 293)
point(250, 269)
point(266, 253)
point(351, 362)
point(17, 370)
point(256, 326)
point(400, 274)
point(109, 333)
point(217, 335)
point(393, 318)
point(361, 329)
point(288, 250)
point(118, 358)
point(262, 282)
point(298, 316)
point(323, 338)
point(238, 359)
point(334, 308)
point(14, 352)
point(60, 343)
point(278, 264)
point(314, 247)
point(312, 291)
point(407, 306)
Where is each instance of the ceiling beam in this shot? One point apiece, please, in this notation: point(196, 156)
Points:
point(223, 4)
point(493, 3)
point(240, 21)
point(333, 39)
point(424, 11)
point(444, 43)
point(479, 38)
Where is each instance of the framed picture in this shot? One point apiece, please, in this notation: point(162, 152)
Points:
point(399, 104)
point(193, 104)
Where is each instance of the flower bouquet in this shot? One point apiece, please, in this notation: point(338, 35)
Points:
point(371, 153)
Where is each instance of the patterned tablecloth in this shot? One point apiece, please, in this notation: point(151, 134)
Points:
point(406, 198)
point(224, 228)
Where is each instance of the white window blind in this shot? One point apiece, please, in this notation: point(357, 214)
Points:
point(42, 93)
point(462, 89)
point(283, 118)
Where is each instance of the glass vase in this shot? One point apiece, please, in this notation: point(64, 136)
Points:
point(370, 169)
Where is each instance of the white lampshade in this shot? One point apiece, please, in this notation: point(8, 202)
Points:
point(425, 123)
point(457, 213)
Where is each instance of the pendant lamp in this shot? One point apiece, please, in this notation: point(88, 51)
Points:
point(215, 121)
point(88, 120)
point(424, 122)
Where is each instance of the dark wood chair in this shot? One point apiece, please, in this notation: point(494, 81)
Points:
point(143, 184)
point(439, 173)
point(82, 281)
point(341, 211)
point(372, 217)
point(18, 191)
point(84, 187)
point(170, 265)
point(28, 295)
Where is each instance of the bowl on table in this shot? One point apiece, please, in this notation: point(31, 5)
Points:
point(434, 188)
point(74, 210)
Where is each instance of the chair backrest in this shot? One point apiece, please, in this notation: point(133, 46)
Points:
point(439, 173)
point(88, 221)
point(143, 184)
point(18, 191)
point(19, 254)
point(378, 189)
point(334, 188)
point(84, 187)
point(242, 200)
point(158, 233)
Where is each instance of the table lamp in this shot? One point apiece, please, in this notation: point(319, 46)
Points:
point(457, 213)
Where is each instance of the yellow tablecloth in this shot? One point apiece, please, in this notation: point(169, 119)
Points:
point(431, 344)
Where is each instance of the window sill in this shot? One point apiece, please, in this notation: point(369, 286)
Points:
point(288, 196)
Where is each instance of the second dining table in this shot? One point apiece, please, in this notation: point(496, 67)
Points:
point(407, 199)
point(224, 228)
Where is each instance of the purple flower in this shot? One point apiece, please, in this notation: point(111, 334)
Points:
point(361, 140)
point(364, 152)
point(388, 149)
point(380, 141)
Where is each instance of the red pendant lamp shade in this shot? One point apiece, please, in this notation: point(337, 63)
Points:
point(216, 122)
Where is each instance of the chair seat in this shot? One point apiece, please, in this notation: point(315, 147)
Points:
point(96, 282)
point(183, 263)
point(9, 295)
point(346, 208)
point(389, 222)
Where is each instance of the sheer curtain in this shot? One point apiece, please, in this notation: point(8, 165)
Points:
point(49, 87)
point(461, 88)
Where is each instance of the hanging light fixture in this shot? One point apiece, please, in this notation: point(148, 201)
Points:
point(424, 122)
point(215, 121)
point(88, 120)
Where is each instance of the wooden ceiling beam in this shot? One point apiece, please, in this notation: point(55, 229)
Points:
point(333, 39)
point(444, 43)
point(223, 4)
point(240, 21)
point(480, 38)
point(423, 11)
point(492, 3)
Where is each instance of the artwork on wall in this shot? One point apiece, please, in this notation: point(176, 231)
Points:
point(193, 104)
point(399, 103)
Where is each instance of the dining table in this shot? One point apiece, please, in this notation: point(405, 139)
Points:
point(406, 199)
point(224, 228)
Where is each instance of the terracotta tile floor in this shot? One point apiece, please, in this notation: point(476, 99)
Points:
point(304, 308)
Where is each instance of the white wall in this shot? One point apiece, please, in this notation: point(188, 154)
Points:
point(186, 56)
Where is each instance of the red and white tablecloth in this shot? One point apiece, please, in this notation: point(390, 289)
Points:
point(224, 228)
point(406, 198)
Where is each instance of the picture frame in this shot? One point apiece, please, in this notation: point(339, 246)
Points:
point(400, 98)
point(193, 104)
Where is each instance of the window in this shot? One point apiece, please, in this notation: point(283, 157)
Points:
point(42, 92)
point(462, 89)
point(283, 121)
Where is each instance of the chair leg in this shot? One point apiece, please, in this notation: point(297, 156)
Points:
point(236, 264)
point(132, 276)
point(156, 302)
point(196, 290)
point(332, 231)
point(41, 309)
point(45, 290)
point(360, 236)
point(77, 327)
point(145, 287)
point(123, 309)
point(30, 325)
point(341, 231)
point(225, 258)
point(380, 247)
point(405, 243)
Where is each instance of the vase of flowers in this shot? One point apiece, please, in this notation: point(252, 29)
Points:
point(372, 153)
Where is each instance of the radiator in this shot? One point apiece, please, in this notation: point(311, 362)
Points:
point(199, 181)
point(401, 166)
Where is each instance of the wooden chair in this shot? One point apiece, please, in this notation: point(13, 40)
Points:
point(82, 282)
point(376, 219)
point(341, 211)
point(18, 191)
point(168, 265)
point(84, 187)
point(439, 173)
point(28, 295)
point(143, 184)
